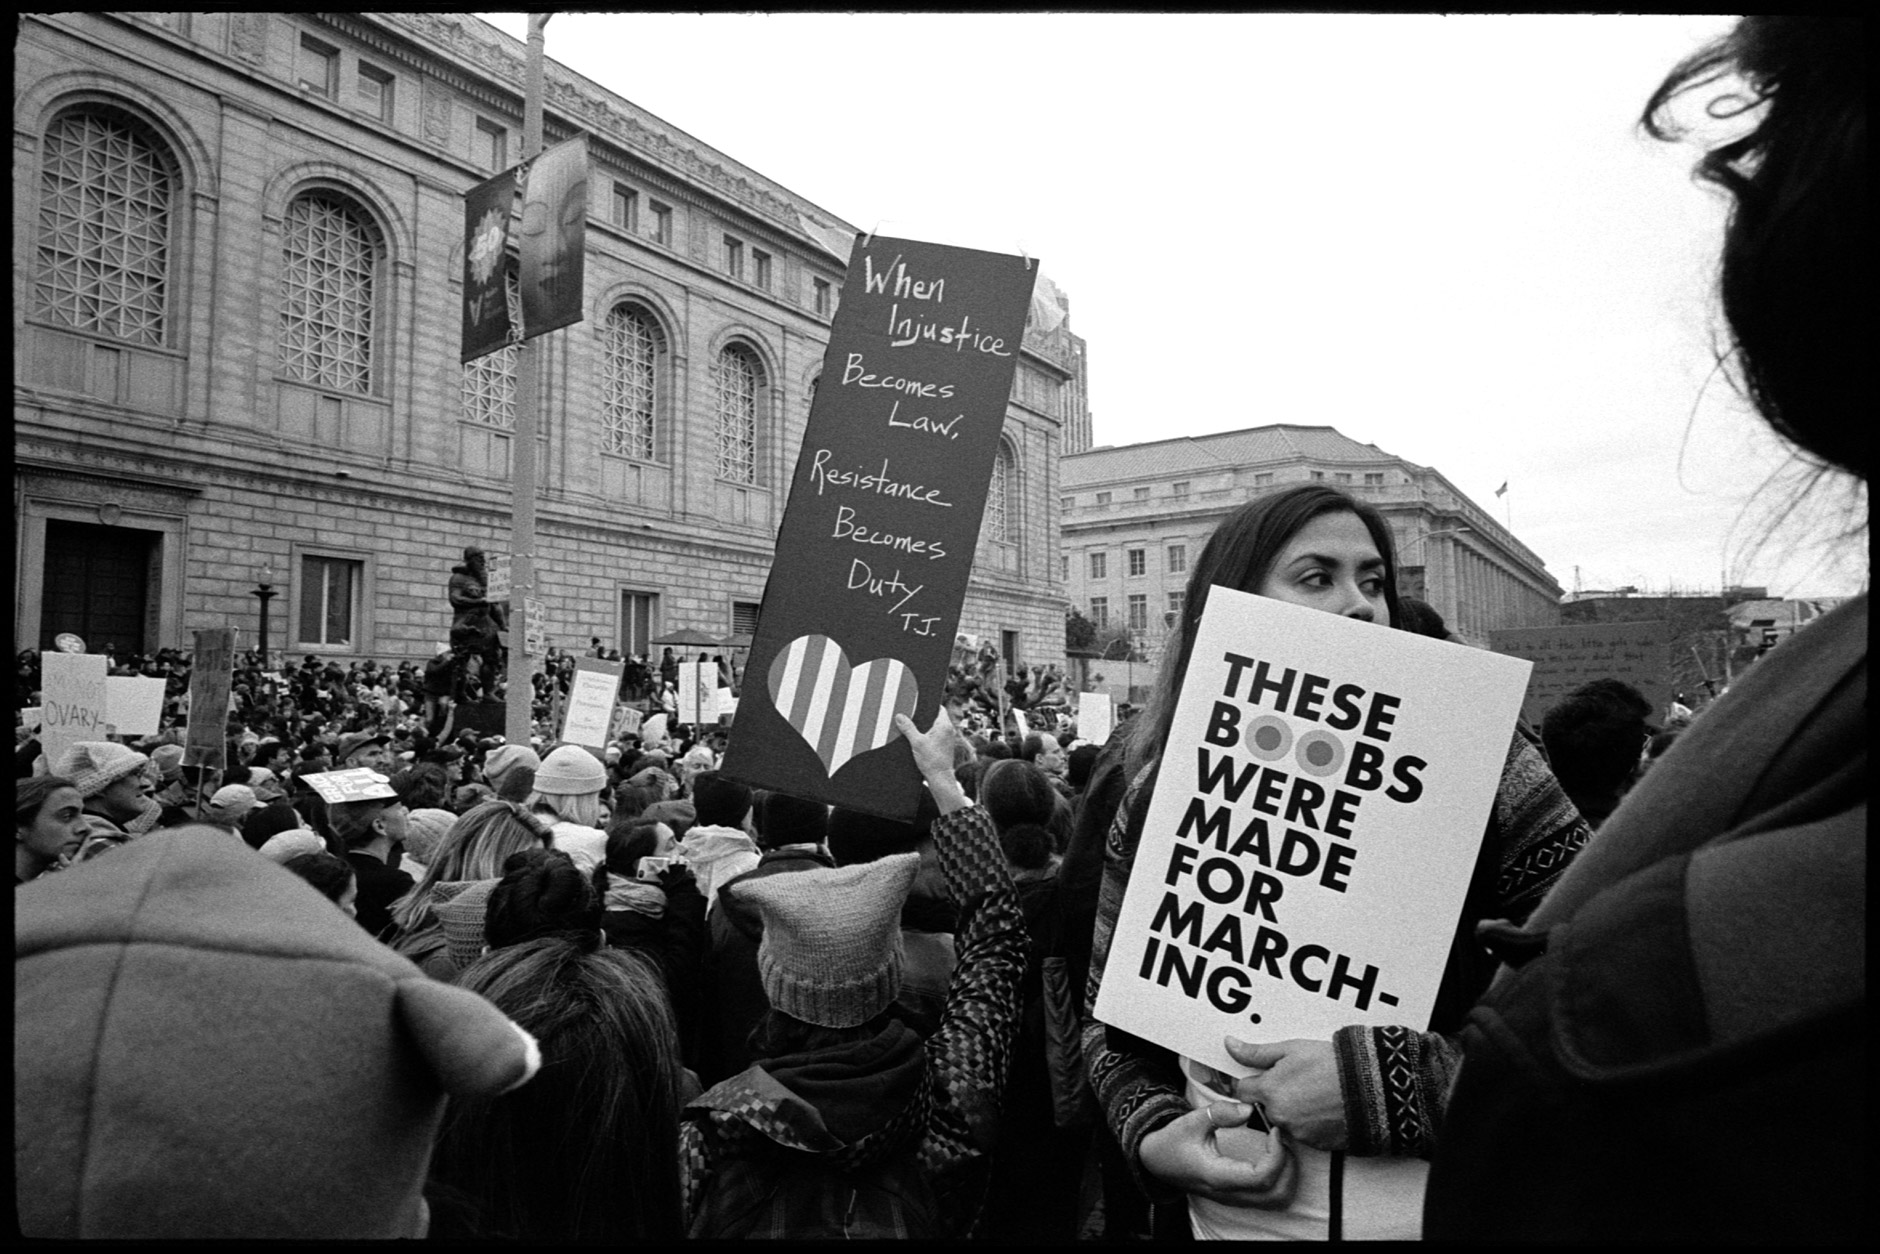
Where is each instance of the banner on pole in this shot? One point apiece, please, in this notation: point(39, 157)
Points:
point(1567, 656)
point(487, 209)
point(74, 698)
point(877, 539)
point(1314, 826)
point(591, 698)
point(211, 673)
point(554, 237)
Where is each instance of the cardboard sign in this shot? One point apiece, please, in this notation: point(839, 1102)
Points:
point(535, 627)
point(554, 237)
point(133, 704)
point(73, 697)
point(698, 692)
point(1096, 717)
point(487, 208)
point(1566, 657)
point(592, 694)
point(496, 576)
point(209, 679)
point(1314, 826)
point(877, 540)
point(359, 783)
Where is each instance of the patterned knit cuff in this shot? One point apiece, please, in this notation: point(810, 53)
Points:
point(1386, 1102)
point(970, 858)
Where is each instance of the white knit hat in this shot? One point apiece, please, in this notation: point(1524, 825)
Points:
point(570, 771)
point(95, 765)
point(832, 952)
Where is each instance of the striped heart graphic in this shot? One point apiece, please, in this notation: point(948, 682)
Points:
point(842, 711)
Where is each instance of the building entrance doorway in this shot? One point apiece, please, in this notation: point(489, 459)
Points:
point(97, 585)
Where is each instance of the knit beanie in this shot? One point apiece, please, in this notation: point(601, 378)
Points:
point(205, 1048)
point(570, 771)
point(425, 830)
point(169, 760)
point(95, 765)
point(291, 843)
point(832, 953)
point(504, 758)
point(460, 907)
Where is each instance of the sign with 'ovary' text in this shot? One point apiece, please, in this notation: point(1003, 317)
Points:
point(884, 512)
point(1314, 825)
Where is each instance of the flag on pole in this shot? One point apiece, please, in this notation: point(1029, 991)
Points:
point(1503, 488)
point(554, 237)
point(487, 208)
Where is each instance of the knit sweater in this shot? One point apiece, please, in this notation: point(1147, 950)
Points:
point(1395, 1080)
point(949, 1122)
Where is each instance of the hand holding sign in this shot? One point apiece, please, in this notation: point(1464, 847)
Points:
point(1295, 1083)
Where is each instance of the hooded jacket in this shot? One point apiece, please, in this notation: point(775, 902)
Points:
point(717, 855)
point(933, 1104)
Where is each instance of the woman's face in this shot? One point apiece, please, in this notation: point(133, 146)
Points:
point(1331, 564)
point(664, 842)
point(59, 828)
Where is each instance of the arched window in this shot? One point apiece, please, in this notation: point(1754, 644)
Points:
point(329, 263)
point(489, 381)
point(106, 189)
point(999, 493)
point(631, 396)
point(739, 377)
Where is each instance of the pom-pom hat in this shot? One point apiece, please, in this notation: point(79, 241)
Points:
point(95, 765)
point(832, 953)
point(570, 771)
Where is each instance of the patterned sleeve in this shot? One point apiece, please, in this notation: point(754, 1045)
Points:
point(969, 1057)
point(1396, 1081)
point(695, 1167)
point(1137, 1084)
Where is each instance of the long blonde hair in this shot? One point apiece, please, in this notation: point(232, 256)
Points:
point(475, 848)
point(583, 808)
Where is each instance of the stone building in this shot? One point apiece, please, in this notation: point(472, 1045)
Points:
point(237, 309)
point(1133, 517)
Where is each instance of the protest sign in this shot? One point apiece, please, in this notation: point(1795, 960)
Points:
point(1568, 656)
point(1021, 724)
point(627, 722)
point(535, 627)
point(133, 705)
point(877, 539)
point(592, 693)
point(209, 678)
point(698, 692)
point(1314, 825)
point(496, 576)
point(359, 783)
point(1095, 717)
point(73, 699)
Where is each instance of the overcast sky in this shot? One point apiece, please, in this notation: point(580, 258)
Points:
point(1444, 236)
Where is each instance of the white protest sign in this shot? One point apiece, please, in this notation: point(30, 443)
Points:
point(359, 783)
point(653, 731)
point(698, 700)
point(133, 704)
point(1096, 717)
point(727, 704)
point(73, 701)
point(591, 697)
point(496, 576)
point(1315, 822)
point(626, 722)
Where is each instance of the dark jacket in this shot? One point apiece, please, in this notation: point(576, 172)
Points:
point(933, 1103)
point(674, 942)
point(379, 887)
point(735, 998)
point(1704, 957)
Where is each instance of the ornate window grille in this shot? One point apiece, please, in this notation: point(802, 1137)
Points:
point(104, 228)
point(737, 416)
point(328, 266)
point(631, 380)
point(489, 382)
point(998, 519)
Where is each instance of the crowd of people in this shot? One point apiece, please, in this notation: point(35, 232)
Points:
point(546, 992)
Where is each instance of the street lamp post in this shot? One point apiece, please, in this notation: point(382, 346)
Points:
point(265, 593)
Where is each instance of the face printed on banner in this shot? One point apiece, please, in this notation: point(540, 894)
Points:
point(554, 218)
point(1331, 564)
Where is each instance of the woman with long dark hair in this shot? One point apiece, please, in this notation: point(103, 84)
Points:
point(589, 1149)
point(1352, 1116)
point(1705, 956)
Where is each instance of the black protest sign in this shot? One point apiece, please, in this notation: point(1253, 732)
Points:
point(877, 539)
point(554, 237)
point(1568, 656)
point(486, 211)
